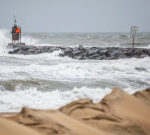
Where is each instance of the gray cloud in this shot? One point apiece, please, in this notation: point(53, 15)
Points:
point(76, 15)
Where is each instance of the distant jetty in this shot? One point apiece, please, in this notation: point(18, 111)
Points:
point(82, 53)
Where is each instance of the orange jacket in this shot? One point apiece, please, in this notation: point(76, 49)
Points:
point(18, 30)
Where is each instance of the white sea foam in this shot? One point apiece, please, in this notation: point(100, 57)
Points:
point(128, 73)
point(96, 77)
point(13, 101)
point(4, 40)
point(80, 69)
point(29, 40)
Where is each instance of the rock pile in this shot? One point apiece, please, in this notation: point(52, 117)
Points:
point(83, 53)
point(107, 53)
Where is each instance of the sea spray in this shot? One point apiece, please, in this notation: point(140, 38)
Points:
point(49, 81)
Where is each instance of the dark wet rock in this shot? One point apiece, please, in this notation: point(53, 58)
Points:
point(143, 55)
point(70, 55)
point(68, 50)
point(76, 53)
point(140, 68)
point(82, 53)
point(101, 57)
point(95, 56)
point(92, 52)
point(78, 57)
point(103, 52)
point(81, 47)
point(75, 49)
point(55, 49)
point(17, 45)
point(61, 54)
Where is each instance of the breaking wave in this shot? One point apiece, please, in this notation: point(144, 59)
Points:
point(48, 81)
point(13, 101)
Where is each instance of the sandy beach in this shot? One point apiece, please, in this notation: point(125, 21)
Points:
point(117, 113)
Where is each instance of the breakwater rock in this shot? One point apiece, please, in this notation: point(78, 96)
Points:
point(82, 53)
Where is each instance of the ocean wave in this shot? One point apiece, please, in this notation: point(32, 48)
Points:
point(39, 84)
point(4, 40)
point(49, 81)
point(133, 73)
point(13, 100)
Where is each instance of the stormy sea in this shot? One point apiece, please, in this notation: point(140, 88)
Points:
point(47, 81)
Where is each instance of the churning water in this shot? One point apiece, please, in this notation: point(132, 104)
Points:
point(48, 81)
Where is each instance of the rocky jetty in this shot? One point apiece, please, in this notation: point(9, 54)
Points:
point(82, 53)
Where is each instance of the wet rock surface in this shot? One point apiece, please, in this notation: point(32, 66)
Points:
point(82, 53)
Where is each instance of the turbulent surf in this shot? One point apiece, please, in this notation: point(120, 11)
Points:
point(49, 81)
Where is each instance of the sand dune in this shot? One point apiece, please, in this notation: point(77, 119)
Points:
point(118, 113)
point(8, 127)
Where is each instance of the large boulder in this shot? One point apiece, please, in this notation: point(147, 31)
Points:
point(92, 52)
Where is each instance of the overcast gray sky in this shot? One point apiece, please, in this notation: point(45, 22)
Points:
point(76, 15)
